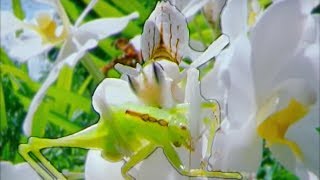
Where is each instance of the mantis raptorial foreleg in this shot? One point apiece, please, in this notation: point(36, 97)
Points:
point(175, 161)
point(90, 138)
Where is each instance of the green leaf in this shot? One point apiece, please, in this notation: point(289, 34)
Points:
point(3, 113)
point(17, 9)
point(59, 95)
point(65, 78)
point(318, 129)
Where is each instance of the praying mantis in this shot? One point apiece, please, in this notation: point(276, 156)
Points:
point(133, 131)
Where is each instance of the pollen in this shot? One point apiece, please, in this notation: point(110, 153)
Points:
point(274, 128)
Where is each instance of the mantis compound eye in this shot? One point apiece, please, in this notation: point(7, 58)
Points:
point(177, 144)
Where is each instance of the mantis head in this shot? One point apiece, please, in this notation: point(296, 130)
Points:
point(180, 136)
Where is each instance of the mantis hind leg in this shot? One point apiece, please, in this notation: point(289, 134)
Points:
point(90, 138)
point(175, 161)
point(135, 159)
point(213, 126)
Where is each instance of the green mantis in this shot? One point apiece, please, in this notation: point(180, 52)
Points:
point(131, 131)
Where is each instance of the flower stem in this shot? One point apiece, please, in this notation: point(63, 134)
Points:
point(92, 69)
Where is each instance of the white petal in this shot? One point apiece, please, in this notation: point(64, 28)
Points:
point(192, 96)
point(193, 7)
point(105, 27)
point(9, 23)
point(171, 69)
point(168, 24)
point(126, 70)
point(304, 133)
point(97, 168)
point(214, 84)
point(237, 149)
point(37, 99)
point(273, 42)
point(241, 100)
point(89, 7)
point(234, 18)
point(284, 155)
point(213, 50)
point(136, 42)
point(73, 58)
point(22, 50)
point(112, 92)
point(19, 171)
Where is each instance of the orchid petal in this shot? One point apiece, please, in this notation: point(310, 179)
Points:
point(112, 92)
point(213, 50)
point(193, 7)
point(126, 70)
point(73, 58)
point(136, 42)
point(97, 168)
point(22, 50)
point(165, 33)
point(9, 23)
point(18, 171)
point(234, 18)
point(171, 69)
point(213, 84)
point(192, 96)
point(37, 99)
point(233, 147)
point(105, 27)
point(273, 42)
point(85, 12)
point(241, 100)
point(304, 133)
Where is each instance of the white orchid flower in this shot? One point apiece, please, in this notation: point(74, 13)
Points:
point(270, 81)
point(76, 40)
point(164, 43)
point(19, 171)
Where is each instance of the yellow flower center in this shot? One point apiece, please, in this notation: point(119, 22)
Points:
point(274, 128)
point(47, 29)
point(251, 18)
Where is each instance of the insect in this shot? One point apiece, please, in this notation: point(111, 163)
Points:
point(128, 131)
point(133, 131)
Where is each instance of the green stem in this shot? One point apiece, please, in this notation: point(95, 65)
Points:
point(95, 72)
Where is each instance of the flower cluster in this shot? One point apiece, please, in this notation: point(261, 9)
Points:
point(262, 91)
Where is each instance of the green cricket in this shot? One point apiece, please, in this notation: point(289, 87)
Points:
point(131, 131)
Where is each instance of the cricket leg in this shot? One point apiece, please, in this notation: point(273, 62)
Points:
point(135, 159)
point(175, 161)
point(90, 138)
